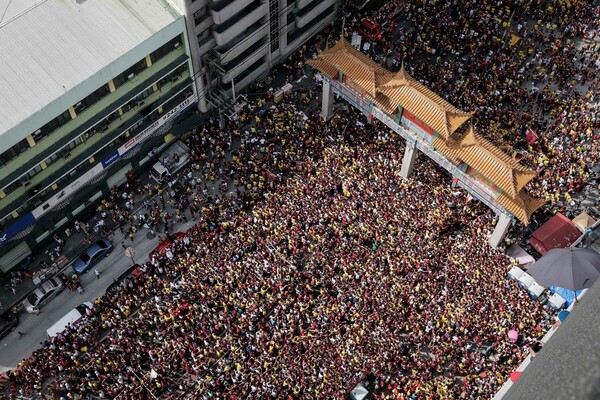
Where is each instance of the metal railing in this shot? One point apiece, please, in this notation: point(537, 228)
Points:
point(414, 138)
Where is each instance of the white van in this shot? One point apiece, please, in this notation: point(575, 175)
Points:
point(171, 160)
point(74, 315)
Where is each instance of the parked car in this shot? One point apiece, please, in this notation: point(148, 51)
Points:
point(8, 323)
point(68, 319)
point(43, 294)
point(91, 255)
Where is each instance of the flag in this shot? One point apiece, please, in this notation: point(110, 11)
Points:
point(531, 136)
point(514, 39)
point(469, 198)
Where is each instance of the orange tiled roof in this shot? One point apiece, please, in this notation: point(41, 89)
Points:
point(422, 102)
point(481, 155)
point(359, 68)
point(521, 206)
point(389, 91)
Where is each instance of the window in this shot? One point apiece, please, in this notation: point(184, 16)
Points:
point(85, 257)
point(93, 98)
point(274, 24)
point(51, 159)
point(166, 48)
point(14, 151)
point(33, 172)
point(199, 16)
point(51, 126)
point(129, 73)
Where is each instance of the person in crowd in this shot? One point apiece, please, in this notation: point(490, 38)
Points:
point(312, 265)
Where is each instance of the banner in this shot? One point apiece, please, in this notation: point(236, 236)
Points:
point(531, 136)
point(418, 126)
point(112, 158)
point(15, 228)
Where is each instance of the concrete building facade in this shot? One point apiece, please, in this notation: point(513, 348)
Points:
point(89, 88)
point(234, 42)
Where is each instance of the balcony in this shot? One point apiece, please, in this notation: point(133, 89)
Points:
point(302, 3)
point(225, 9)
point(242, 62)
point(239, 22)
point(250, 75)
point(198, 4)
point(203, 24)
point(242, 42)
point(296, 36)
point(93, 146)
point(205, 44)
point(309, 13)
point(89, 117)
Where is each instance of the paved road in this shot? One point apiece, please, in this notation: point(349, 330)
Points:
point(13, 349)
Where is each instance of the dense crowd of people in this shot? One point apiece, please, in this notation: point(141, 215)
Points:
point(312, 277)
point(312, 265)
point(546, 82)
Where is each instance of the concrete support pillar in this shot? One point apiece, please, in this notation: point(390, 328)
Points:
point(111, 86)
point(327, 101)
point(72, 113)
point(148, 61)
point(500, 230)
point(408, 161)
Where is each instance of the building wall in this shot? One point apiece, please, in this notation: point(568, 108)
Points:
point(82, 90)
point(235, 39)
point(55, 180)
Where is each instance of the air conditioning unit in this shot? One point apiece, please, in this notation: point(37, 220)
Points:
point(131, 76)
point(65, 152)
point(25, 181)
point(176, 45)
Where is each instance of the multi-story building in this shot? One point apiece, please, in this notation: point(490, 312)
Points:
point(234, 42)
point(88, 88)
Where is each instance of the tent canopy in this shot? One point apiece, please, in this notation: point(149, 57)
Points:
point(518, 253)
point(583, 221)
point(558, 232)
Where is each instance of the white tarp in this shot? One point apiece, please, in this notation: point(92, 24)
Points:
point(583, 221)
point(515, 273)
point(359, 392)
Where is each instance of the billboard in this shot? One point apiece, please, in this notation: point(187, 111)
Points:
point(27, 219)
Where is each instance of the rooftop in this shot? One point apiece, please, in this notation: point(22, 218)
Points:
point(49, 47)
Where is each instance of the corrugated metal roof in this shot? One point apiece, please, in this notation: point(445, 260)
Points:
point(50, 46)
point(490, 165)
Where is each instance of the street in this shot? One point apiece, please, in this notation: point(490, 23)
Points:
point(13, 349)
